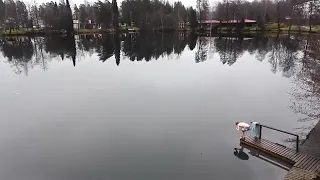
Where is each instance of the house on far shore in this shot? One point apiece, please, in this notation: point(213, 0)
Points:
point(88, 24)
point(182, 25)
point(209, 24)
point(76, 24)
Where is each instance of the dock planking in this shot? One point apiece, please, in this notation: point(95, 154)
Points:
point(304, 166)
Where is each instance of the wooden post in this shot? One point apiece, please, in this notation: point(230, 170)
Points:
point(260, 130)
point(297, 144)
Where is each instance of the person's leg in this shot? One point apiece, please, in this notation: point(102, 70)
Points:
point(242, 134)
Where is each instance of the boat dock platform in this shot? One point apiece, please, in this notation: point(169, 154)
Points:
point(304, 166)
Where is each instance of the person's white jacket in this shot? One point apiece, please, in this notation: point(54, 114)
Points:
point(242, 125)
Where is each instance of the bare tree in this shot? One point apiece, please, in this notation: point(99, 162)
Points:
point(291, 6)
point(298, 13)
point(311, 6)
point(278, 14)
point(199, 7)
point(205, 9)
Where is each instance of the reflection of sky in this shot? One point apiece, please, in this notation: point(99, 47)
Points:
point(141, 120)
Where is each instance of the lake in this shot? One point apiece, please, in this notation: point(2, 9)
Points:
point(149, 106)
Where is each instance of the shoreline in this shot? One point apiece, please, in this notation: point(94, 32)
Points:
point(33, 32)
point(311, 144)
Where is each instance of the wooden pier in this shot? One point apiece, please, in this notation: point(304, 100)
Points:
point(304, 166)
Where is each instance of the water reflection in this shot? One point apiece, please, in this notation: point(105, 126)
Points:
point(180, 120)
point(307, 93)
point(61, 46)
point(284, 54)
point(293, 56)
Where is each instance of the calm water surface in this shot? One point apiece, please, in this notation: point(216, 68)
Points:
point(167, 111)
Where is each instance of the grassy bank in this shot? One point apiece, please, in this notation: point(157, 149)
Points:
point(22, 31)
point(270, 28)
point(35, 32)
point(110, 30)
point(273, 27)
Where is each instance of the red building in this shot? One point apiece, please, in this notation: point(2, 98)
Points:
point(213, 23)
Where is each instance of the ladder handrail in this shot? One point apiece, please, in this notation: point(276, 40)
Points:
point(279, 130)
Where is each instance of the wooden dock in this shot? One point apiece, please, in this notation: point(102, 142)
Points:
point(304, 166)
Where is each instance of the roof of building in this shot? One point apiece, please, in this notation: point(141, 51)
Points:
point(210, 21)
point(225, 22)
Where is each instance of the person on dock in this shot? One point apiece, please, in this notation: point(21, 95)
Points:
point(242, 127)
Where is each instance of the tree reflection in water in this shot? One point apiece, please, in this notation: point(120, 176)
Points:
point(296, 57)
point(307, 93)
point(284, 54)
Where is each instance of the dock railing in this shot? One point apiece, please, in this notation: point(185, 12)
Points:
point(279, 130)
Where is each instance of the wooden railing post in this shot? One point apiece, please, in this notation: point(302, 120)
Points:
point(297, 144)
point(260, 130)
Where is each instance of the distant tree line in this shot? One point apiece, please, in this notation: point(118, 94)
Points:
point(17, 14)
point(152, 14)
point(155, 14)
point(144, 14)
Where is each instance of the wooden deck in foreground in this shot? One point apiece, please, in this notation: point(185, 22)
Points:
point(304, 166)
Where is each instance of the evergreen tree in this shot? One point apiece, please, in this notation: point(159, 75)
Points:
point(69, 21)
point(193, 18)
point(115, 14)
point(2, 12)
